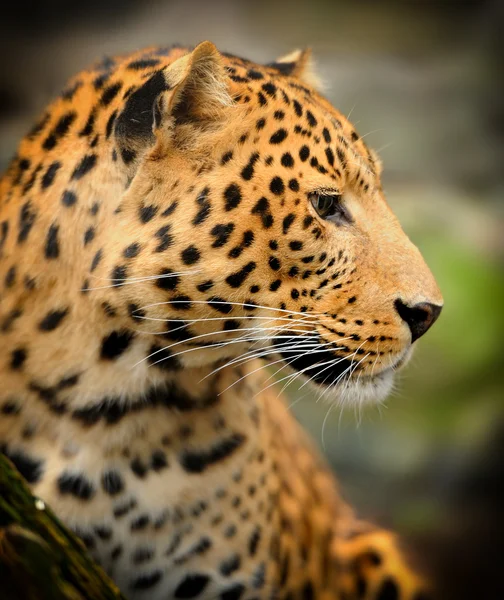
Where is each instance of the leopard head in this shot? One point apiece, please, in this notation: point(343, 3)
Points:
point(256, 220)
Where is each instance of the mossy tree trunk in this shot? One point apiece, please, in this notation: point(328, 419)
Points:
point(39, 558)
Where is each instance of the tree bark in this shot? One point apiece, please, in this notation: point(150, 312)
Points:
point(40, 559)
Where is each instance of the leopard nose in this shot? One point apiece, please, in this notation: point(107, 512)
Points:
point(419, 317)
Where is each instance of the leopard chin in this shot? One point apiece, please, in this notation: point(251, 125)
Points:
point(362, 391)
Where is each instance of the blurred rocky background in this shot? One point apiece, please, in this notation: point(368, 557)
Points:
point(423, 81)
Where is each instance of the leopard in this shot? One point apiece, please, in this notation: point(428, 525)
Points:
point(181, 229)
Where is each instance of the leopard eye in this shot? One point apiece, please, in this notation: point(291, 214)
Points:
point(330, 207)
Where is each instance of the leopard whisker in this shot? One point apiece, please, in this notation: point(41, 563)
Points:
point(242, 338)
point(216, 345)
point(298, 373)
point(295, 376)
point(133, 280)
point(242, 304)
point(284, 378)
point(304, 341)
point(256, 370)
point(351, 370)
point(359, 404)
point(351, 111)
point(222, 332)
point(302, 370)
point(245, 357)
point(324, 422)
point(384, 147)
point(326, 391)
point(331, 364)
point(296, 345)
point(187, 322)
point(371, 132)
point(376, 359)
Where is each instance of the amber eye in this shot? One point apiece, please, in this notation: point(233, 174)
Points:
point(330, 207)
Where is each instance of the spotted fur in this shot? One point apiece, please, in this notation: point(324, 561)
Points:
point(161, 231)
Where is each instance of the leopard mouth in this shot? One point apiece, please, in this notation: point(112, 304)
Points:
point(321, 366)
point(324, 367)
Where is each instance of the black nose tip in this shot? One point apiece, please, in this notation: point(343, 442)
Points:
point(419, 317)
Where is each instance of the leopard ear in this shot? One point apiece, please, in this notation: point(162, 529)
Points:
point(184, 97)
point(300, 64)
point(197, 87)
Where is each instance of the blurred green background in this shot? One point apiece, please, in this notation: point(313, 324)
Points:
point(423, 81)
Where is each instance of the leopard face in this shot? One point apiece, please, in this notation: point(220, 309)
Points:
point(269, 234)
